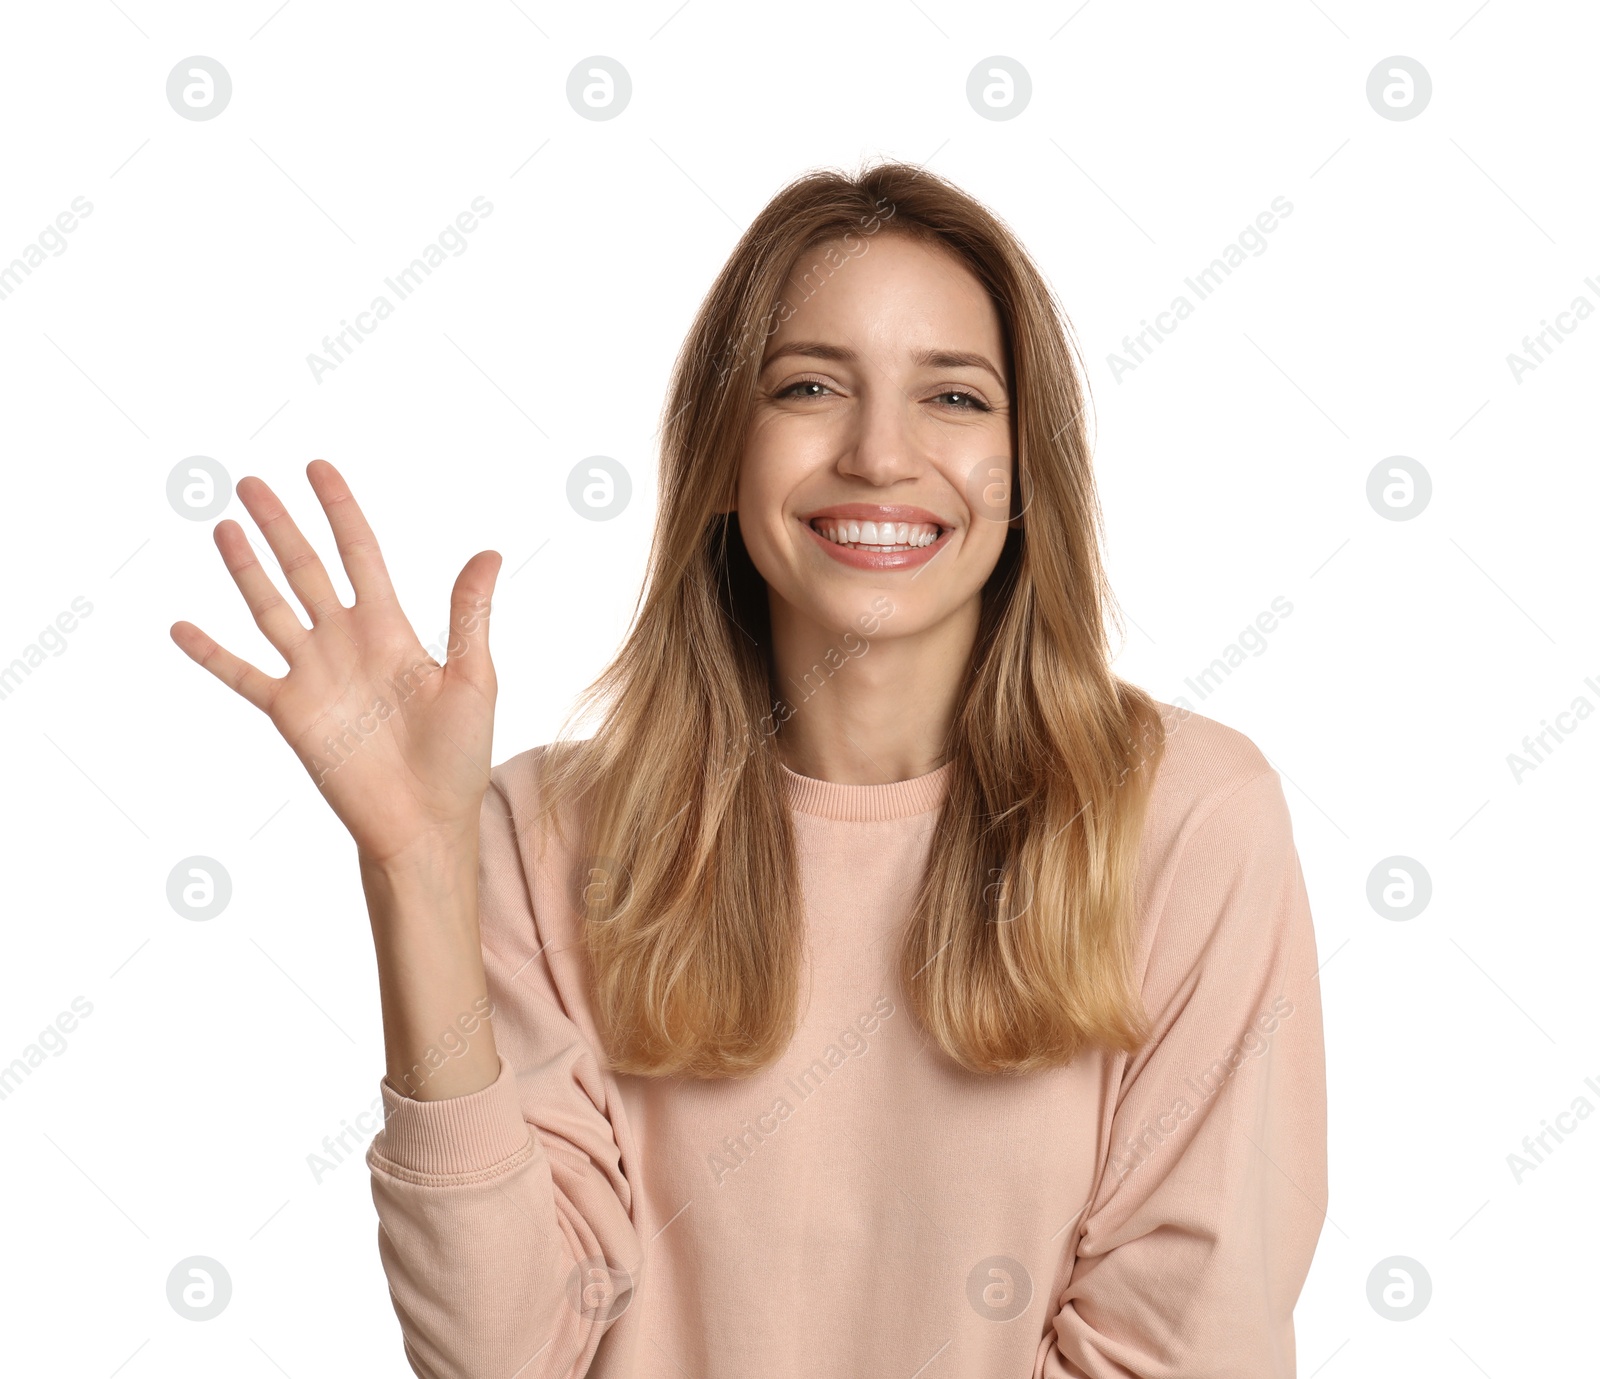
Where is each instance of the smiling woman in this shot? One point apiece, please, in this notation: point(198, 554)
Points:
point(1068, 896)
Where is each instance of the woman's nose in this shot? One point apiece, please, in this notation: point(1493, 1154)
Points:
point(882, 445)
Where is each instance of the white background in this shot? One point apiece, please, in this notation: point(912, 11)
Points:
point(1233, 465)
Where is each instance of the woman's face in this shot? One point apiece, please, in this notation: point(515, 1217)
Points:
point(880, 439)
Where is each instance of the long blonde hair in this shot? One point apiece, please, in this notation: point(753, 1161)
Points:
point(1019, 949)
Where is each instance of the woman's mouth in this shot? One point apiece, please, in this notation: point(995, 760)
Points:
point(870, 545)
point(877, 536)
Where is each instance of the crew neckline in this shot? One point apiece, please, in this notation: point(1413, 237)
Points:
point(900, 799)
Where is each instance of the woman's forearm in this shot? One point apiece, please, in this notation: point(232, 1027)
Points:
point(424, 911)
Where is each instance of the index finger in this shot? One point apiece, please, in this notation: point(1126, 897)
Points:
point(358, 547)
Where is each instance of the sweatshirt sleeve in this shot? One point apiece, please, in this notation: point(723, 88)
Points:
point(503, 1215)
point(1199, 1236)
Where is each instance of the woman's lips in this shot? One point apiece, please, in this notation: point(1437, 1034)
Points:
point(860, 559)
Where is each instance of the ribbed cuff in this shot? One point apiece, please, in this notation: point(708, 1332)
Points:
point(455, 1135)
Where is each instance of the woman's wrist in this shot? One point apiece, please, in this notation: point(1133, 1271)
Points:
point(441, 856)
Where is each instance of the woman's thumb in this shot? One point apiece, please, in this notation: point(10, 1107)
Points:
point(467, 653)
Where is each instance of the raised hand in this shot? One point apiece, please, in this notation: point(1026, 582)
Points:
point(398, 743)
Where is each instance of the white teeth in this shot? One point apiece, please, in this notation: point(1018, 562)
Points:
point(880, 536)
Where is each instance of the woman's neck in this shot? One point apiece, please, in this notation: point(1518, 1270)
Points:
point(868, 707)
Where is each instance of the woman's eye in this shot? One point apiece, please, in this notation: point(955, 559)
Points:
point(965, 401)
point(793, 390)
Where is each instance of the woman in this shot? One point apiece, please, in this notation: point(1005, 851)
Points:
point(886, 987)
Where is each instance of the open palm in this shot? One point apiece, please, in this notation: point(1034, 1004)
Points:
point(398, 744)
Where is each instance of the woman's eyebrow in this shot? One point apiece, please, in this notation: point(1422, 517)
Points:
point(813, 349)
point(958, 359)
point(934, 359)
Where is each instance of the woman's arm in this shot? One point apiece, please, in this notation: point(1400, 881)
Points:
point(480, 1254)
point(1202, 1228)
point(424, 913)
point(504, 1214)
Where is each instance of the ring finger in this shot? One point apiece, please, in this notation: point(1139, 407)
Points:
point(300, 563)
point(273, 616)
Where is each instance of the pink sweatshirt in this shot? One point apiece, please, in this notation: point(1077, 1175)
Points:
point(865, 1206)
